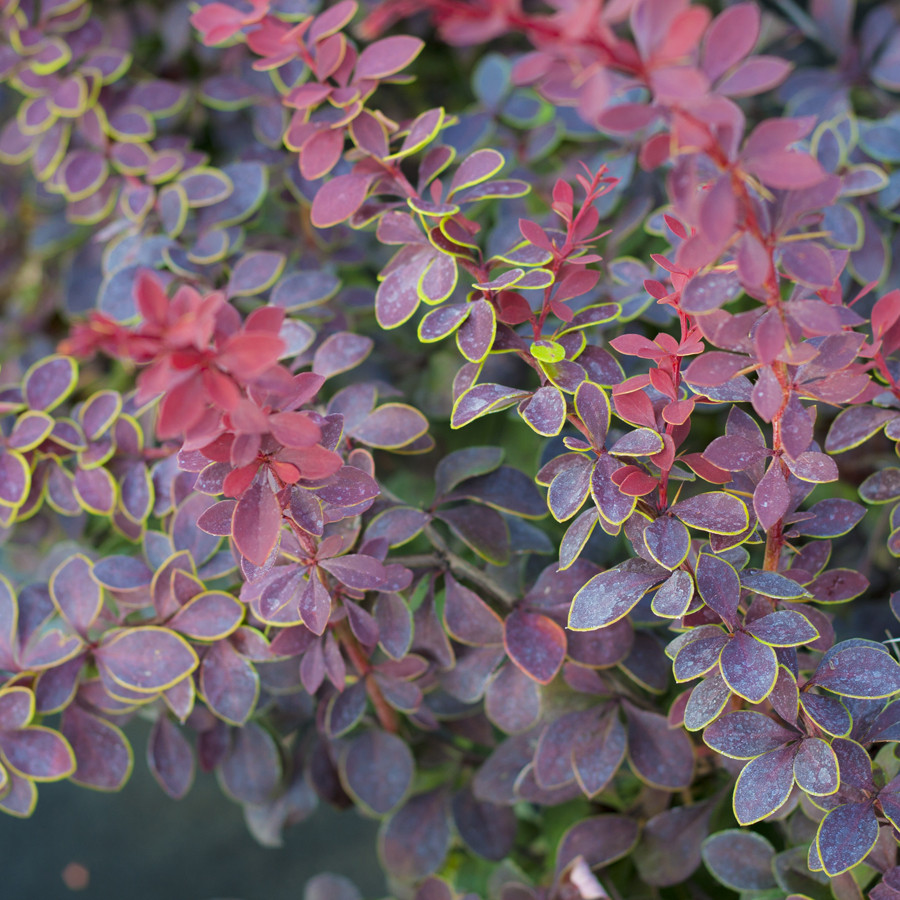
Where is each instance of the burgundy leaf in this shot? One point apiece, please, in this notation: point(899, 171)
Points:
point(256, 522)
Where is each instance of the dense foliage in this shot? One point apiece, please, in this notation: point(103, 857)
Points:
point(246, 493)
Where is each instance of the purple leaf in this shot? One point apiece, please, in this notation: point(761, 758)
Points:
point(377, 770)
point(228, 683)
point(146, 659)
point(482, 529)
point(764, 785)
point(674, 596)
point(169, 758)
point(741, 860)
point(846, 836)
point(482, 399)
point(251, 772)
point(715, 512)
point(535, 643)
point(75, 593)
point(337, 200)
point(785, 628)
point(512, 700)
point(609, 596)
point(746, 735)
point(858, 672)
point(390, 426)
point(488, 830)
point(669, 849)
point(660, 756)
point(749, 667)
point(414, 842)
point(816, 768)
point(467, 618)
point(599, 840)
point(37, 752)
point(598, 752)
point(545, 412)
point(341, 352)
point(102, 753)
point(719, 586)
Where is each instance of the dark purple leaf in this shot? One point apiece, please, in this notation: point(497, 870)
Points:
point(545, 412)
point(597, 753)
point(611, 595)
point(881, 486)
point(482, 529)
point(482, 399)
point(669, 849)
point(377, 769)
point(414, 842)
point(512, 700)
point(855, 425)
point(719, 586)
point(785, 628)
point(706, 703)
point(668, 541)
point(699, 652)
point(816, 767)
point(209, 616)
point(394, 622)
point(170, 758)
point(659, 755)
point(741, 860)
point(715, 512)
point(764, 785)
point(858, 672)
point(599, 839)
point(746, 735)
point(390, 426)
point(846, 836)
point(37, 752)
point(674, 597)
point(467, 618)
point(487, 829)
point(827, 712)
point(228, 683)
point(251, 772)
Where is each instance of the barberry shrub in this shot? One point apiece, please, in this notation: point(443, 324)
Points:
point(313, 312)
